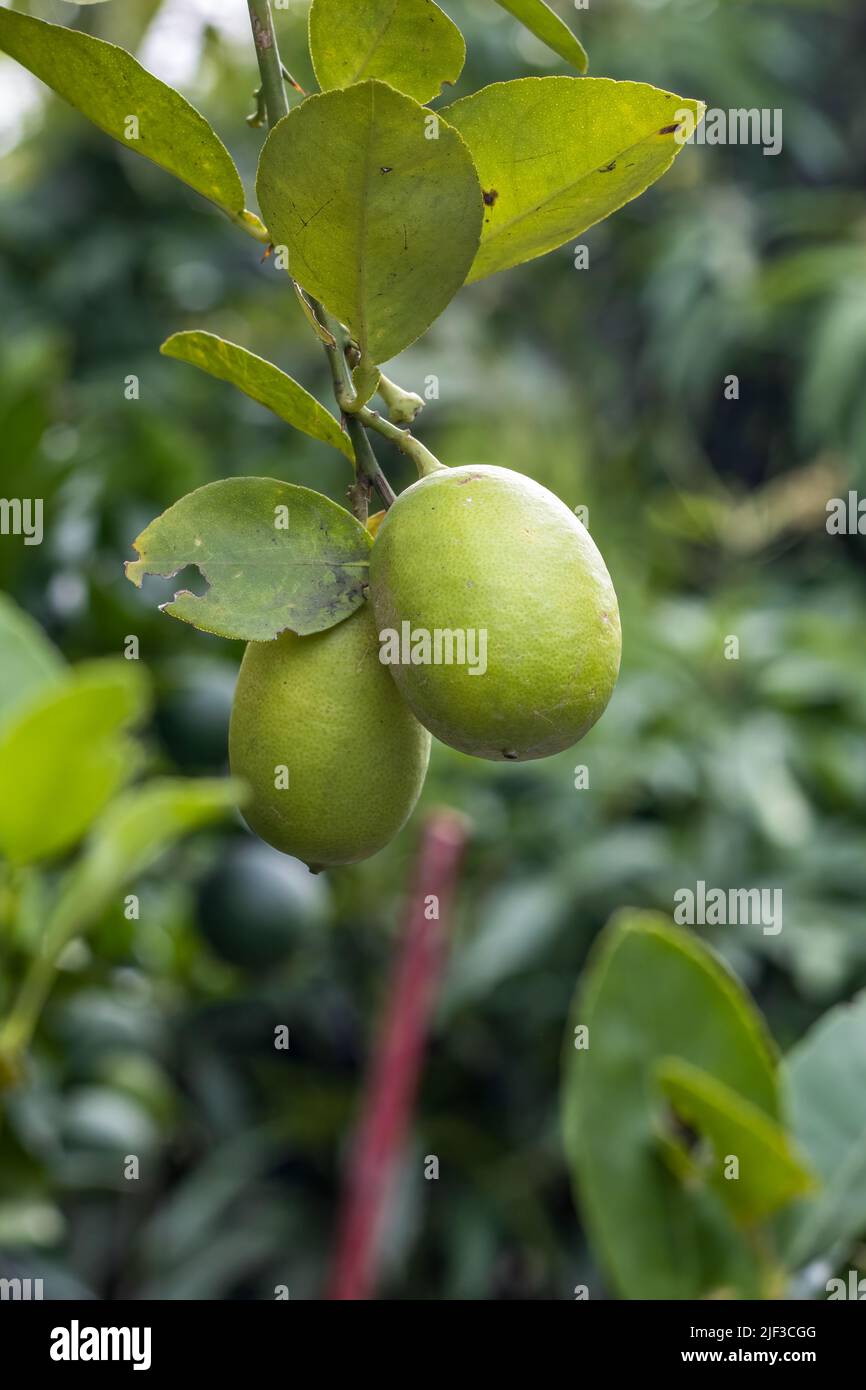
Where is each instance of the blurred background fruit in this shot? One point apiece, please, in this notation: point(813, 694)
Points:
point(255, 905)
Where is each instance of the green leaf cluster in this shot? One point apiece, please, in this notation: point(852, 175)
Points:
point(380, 208)
point(67, 756)
point(68, 750)
point(701, 1166)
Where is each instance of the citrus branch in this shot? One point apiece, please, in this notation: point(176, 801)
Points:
point(271, 69)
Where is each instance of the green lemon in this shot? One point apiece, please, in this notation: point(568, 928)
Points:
point(335, 759)
point(528, 645)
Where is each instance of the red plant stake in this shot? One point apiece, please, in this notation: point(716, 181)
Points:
point(395, 1070)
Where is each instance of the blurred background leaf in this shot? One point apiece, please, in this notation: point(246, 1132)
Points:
point(825, 1080)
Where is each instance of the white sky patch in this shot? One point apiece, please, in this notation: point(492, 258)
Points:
point(22, 95)
point(173, 43)
point(171, 49)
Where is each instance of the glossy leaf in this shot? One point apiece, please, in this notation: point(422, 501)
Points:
point(411, 44)
point(385, 228)
point(825, 1080)
point(275, 556)
point(65, 755)
point(769, 1172)
point(28, 661)
point(654, 992)
point(557, 154)
point(134, 830)
point(547, 26)
point(260, 380)
point(109, 86)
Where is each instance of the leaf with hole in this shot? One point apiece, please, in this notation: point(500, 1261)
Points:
point(411, 44)
point(653, 992)
point(275, 556)
point(260, 380)
point(547, 26)
point(557, 154)
point(111, 88)
point(65, 755)
point(769, 1172)
point(383, 231)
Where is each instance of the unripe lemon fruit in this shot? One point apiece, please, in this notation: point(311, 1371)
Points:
point(490, 554)
point(322, 714)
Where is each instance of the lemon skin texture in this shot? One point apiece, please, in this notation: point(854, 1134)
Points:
point(325, 708)
point(485, 548)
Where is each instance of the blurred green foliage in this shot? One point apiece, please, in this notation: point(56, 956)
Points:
point(607, 384)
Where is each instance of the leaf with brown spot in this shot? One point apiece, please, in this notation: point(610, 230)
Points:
point(543, 142)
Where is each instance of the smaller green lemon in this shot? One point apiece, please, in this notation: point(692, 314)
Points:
point(496, 613)
point(335, 759)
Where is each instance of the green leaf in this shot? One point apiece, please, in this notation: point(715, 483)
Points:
point(410, 43)
point(134, 830)
point(322, 333)
point(770, 1174)
point(262, 381)
point(653, 992)
point(275, 556)
point(108, 85)
point(825, 1081)
point(382, 230)
point(557, 154)
point(66, 755)
point(541, 21)
point(28, 661)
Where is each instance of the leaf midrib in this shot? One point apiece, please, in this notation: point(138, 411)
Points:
point(362, 228)
point(359, 72)
point(560, 192)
